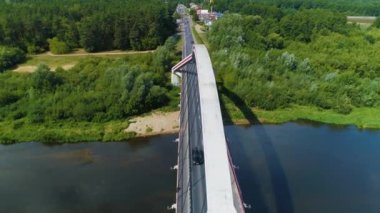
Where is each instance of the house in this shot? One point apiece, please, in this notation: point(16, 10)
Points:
point(207, 18)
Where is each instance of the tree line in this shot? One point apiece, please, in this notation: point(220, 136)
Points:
point(349, 7)
point(35, 26)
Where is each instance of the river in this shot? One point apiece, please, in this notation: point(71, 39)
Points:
point(293, 167)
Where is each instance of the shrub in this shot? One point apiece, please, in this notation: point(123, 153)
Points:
point(58, 47)
point(10, 57)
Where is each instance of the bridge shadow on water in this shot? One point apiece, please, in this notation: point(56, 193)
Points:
point(279, 183)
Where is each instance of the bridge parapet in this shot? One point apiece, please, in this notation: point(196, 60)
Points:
point(220, 194)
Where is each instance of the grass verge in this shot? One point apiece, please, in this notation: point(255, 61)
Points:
point(201, 34)
point(63, 132)
point(198, 39)
point(365, 118)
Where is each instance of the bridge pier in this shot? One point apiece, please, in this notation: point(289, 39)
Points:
point(175, 79)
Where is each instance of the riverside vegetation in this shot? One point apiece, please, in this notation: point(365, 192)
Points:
point(297, 64)
point(89, 102)
point(93, 100)
point(285, 63)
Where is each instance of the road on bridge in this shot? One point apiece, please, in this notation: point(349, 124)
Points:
point(192, 135)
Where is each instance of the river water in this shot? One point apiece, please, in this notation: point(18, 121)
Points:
point(287, 168)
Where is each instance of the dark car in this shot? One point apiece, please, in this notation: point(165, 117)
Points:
point(197, 155)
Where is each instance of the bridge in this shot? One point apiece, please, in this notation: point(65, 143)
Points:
point(206, 180)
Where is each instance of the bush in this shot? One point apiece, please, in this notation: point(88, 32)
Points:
point(33, 49)
point(17, 124)
point(18, 115)
point(10, 57)
point(274, 40)
point(36, 113)
point(45, 80)
point(7, 98)
point(7, 140)
point(58, 47)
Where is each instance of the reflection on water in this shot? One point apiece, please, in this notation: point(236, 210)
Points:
point(307, 168)
point(88, 177)
point(287, 168)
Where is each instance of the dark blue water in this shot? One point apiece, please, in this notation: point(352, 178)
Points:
point(286, 168)
point(88, 177)
point(307, 168)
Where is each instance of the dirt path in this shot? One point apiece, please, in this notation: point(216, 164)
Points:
point(83, 53)
point(155, 124)
point(67, 61)
point(32, 68)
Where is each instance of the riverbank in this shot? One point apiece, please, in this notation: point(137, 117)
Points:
point(364, 118)
point(156, 123)
point(63, 132)
point(160, 123)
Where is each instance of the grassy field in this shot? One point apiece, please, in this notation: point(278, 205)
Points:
point(366, 118)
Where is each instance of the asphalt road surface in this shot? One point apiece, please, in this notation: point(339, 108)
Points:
point(192, 131)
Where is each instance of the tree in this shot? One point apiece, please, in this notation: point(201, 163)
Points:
point(121, 35)
point(88, 31)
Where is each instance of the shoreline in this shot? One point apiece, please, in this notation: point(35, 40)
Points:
point(166, 123)
point(362, 118)
point(151, 124)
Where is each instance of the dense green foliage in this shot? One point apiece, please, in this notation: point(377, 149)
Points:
point(58, 47)
point(95, 25)
point(376, 23)
point(352, 7)
point(307, 57)
point(96, 90)
point(10, 57)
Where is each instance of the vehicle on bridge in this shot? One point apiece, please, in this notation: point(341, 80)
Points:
point(197, 155)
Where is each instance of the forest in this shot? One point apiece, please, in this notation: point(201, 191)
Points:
point(35, 26)
point(274, 58)
point(349, 7)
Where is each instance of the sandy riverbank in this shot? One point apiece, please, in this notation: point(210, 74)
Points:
point(156, 123)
